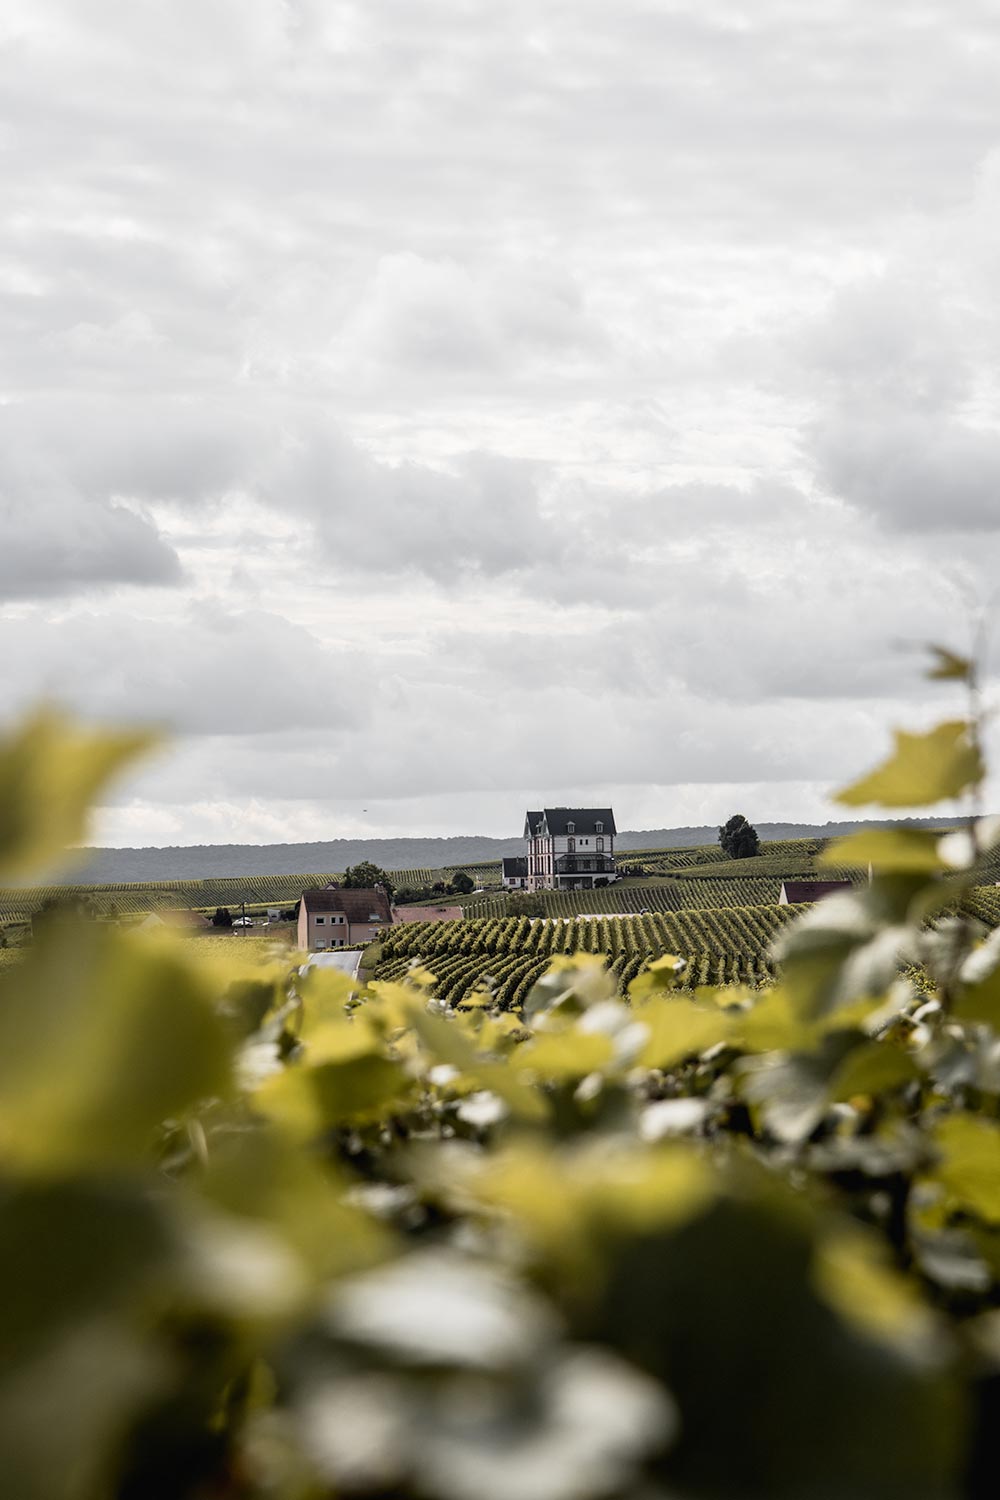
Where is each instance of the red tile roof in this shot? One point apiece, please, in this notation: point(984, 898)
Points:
point(428, 914)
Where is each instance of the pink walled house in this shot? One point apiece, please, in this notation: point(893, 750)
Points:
point(334, 917)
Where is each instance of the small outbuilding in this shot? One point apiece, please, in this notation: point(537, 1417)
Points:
point(515, 873)
point(797, 892)
point(181, 919)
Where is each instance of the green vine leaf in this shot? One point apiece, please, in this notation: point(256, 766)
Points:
point(923, 769)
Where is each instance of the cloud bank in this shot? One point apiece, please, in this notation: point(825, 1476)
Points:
point(422, 409)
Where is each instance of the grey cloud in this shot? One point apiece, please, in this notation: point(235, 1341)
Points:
point(50, 550)
point(891, 337)
point(55, 539)
point(481, 515)
point(484, 517)
point(915, 472)
point(435, 317)
point(206, 671)
point(894, 366)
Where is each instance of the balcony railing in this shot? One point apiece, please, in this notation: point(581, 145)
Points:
point(585, 864)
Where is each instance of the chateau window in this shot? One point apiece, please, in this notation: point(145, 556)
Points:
point(600, 845)
point(598, 827)
point(320, 921)
point(570, 827)
point(571, 844)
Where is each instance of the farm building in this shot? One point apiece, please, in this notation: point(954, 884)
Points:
point(570, 848)
point(794, 892)
point(514, 873)
point(333, 917)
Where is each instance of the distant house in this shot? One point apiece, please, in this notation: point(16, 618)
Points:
point(181, 919)
point(333, 917)
point(427, 914)
point(570, 848)
point(795, 892)
point(515, 873)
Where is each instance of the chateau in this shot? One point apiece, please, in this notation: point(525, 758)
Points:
point(570, 848)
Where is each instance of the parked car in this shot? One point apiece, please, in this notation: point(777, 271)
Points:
point(243, 921)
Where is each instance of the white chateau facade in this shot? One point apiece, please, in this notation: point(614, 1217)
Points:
point(570, 848)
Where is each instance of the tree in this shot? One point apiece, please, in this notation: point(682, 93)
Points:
point(739, 838)
point(524, 904)
point(366, 875)
point(64, 906)
point(223, 917)
point(462, 883)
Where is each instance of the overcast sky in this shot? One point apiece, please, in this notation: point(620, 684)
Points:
point(427, 408)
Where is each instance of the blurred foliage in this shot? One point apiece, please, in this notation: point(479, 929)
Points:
point(268, 1236)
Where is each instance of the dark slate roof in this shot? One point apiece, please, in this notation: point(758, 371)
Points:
point(357, 906)
point(516, 866)
point(584, 819)
point(531, 821)
point(797, 891)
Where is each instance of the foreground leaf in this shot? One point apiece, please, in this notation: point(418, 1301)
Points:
point(102, 1037)
point(51, 770)
point(894, 850)
point(923, 769)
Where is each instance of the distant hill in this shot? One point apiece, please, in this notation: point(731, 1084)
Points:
point(201, 861)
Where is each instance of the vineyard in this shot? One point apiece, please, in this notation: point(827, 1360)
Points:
point(661, 894)
point(624, 896)
point(506, 955)
point(677, 880)
point(727, 943)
